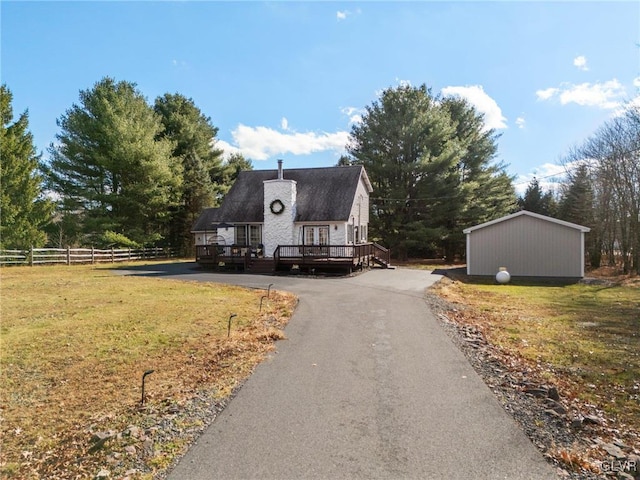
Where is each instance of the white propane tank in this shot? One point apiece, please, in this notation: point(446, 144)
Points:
point(503, 276)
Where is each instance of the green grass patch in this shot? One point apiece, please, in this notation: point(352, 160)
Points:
point(76, 340)
point(586, 336)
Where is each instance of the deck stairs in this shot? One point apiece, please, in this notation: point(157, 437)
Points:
point(381, 256)
point(260, 265)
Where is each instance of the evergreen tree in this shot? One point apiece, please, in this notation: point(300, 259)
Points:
point(235, 164)
point(204, 176)
point(484, 191)
point(24, 212)
point(109, 168)
point(537, 201)
point(429, 161)
point(577, 206)
point(407, 144)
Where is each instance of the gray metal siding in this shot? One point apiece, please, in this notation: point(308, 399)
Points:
point(526, 246)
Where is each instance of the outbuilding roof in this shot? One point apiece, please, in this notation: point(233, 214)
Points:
point(529, 214)
point(323, 194)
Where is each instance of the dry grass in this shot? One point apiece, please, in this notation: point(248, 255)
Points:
point(583, 338)
point(76, 340)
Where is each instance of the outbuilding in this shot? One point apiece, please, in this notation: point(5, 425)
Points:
point(526, 244)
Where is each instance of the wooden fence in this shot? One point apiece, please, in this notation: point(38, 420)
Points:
point(70, 256)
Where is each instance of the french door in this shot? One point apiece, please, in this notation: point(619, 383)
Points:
point(316, 235)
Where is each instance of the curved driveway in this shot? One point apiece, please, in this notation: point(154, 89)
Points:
point(367, 385)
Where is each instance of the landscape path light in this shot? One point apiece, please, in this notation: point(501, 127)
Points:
point(144, 376)
point(229, 325)
point(265, 296)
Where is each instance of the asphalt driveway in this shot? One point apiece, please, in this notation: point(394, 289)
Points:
point(367, 385)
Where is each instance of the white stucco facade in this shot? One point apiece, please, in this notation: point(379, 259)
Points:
point(359, 216)
point(278, 229)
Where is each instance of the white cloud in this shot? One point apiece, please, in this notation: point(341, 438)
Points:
point(178, 63)
point(601, 95)
point(226, 147)
point(284, 123)
point(520, 122)
point(484, 104)
point(635, 102)
point(605, 95)
point(354, 114)
point(623, 108)
point(636, 82)
point(581, 62)
point(262, 143)
point(549, 177)
point(343, 14)
point(547, 93)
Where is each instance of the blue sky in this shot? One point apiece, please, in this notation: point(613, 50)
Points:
point(288, 79)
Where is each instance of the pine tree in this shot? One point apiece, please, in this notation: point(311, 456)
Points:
point(24, 211)
point(577, 206)
point(538, 201)
point(429, 161)
point(109, 168)
point(203, 180)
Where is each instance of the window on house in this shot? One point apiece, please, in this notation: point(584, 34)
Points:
point(241, 235)
point(308, 235)
point(350, 233)
point(323, 235)
point(255, 235)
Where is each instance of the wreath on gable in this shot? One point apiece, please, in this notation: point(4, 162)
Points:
point(276, 207)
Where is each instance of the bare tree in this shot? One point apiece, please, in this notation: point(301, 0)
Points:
point(612, 156)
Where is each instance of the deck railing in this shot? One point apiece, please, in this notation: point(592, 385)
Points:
point(355, 255)
point(217, 253)
point(316, 251)
point(382, 254)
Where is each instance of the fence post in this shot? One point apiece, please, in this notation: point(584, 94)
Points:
point(112, 256)
point(68, 255)
point(31, 256)
point(129, 254)
point(93, 255)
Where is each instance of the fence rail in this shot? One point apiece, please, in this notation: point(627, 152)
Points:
point(70, 256)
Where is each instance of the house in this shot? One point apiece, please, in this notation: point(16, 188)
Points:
point(527, 244)
point(274, 219)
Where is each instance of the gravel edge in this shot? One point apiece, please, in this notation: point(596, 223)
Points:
point(517, 391)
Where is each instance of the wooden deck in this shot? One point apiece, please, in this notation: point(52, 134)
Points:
point(305, 258)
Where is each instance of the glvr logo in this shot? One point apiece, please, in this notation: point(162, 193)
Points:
point(619, 466)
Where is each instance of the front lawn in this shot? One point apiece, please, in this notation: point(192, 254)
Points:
point(585, 339)
point(75, 342)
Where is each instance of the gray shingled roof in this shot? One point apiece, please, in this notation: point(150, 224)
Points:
point(324, 195)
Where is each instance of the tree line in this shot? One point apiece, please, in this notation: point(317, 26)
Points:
point(127, 173)
point(121, 173)
point(601, 190)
